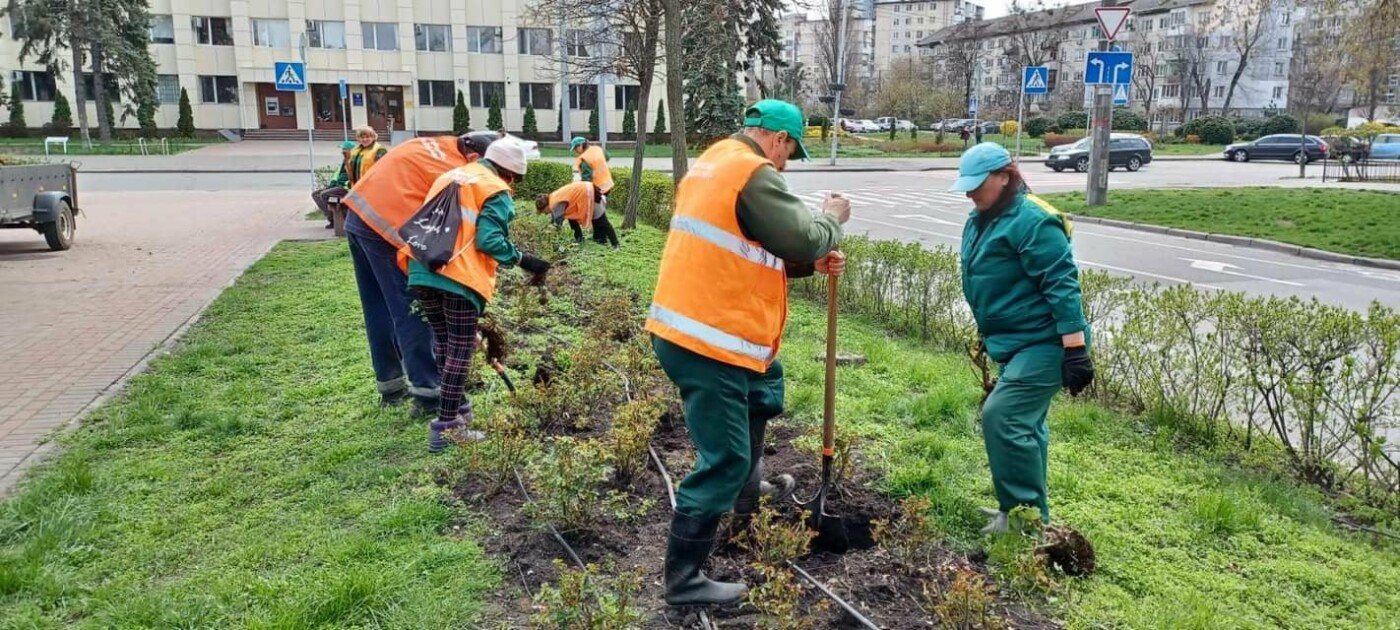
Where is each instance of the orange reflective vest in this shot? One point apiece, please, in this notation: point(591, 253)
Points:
point(361, 159)
point(468, 267)
point(396, 188)
point(719, 294)
point(596, 160)
point(578, 199)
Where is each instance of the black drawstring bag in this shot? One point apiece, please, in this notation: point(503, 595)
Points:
point(431, 233)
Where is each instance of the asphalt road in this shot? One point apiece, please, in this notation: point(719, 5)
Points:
point(914, 206)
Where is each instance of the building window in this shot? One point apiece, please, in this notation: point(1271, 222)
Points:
point(212, 31)
point(534, 41)
point(537, 95)
point(168, 88)
point(894, 49)
point(272, 34)
point(1278, 68)
point(1222, 67)
point(1078, 76)
point(1286, 19)
point(162, 29)
point(484, 39)
point(1171, 91)
point(323, 34)
point(109, 81)
point(1079, 55)
point(380, 35)
point(432, 37)
point(1162, 23)
point(1278, 92)
point(436, 93)
point(218, 89)
point(1147, 25)
point(577, 43)
point(1219, 91)
point(483, 91)
point(1142, 94)
point(583, 97)
point(626, 97)
point(1283, 43)
point(34, 86)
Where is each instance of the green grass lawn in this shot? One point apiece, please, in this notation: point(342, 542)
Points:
point(1356, 222)
point(1187, 149)
point(35, 146)
point(248, 481)
point(1184, 541)
point(251, 481)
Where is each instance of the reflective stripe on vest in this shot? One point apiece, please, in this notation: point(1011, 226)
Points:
point(726, 241)
point(711, 335)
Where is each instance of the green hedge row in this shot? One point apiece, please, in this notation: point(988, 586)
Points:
point(658, 194)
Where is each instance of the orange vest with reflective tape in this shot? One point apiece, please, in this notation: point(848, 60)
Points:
point(468, 267)
point(719, 294)
point(361, 160)
point(598, 161)
point(578, 200)
point(388, 195)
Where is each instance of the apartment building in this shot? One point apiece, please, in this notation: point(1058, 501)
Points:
point(806, 37)
point(403, 63)
point(1187, 56)
point(900, 25)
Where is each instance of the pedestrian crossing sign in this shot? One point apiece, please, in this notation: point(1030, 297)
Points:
point(291, 76)
point(1036, 80)
point(1120, 95)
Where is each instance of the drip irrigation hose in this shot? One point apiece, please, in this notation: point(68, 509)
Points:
point(567, 549)
point(850, 610)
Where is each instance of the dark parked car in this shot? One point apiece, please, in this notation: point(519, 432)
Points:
point(1127, 150)
point(1282, 146)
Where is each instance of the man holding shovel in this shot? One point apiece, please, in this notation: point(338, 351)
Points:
point(717, 319)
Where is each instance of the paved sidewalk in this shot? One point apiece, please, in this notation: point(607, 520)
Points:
point(75, 324)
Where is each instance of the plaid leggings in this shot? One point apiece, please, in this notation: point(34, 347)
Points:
point(453, 319)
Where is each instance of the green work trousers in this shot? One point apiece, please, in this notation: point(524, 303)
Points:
point(727, 408)
point(1014, 427)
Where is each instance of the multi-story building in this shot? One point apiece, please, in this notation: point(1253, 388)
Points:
point(901, 24)
point(403, 62)
point(1190, 56)
point(807, 43)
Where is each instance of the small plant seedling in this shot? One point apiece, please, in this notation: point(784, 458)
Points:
point(779, 599)
point(771, 540)
point(911, 536)
point(593, 598)
point(966, 603)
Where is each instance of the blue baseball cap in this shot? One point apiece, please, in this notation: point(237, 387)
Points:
point(577, 142)
point(348, 145)
point(977, 163)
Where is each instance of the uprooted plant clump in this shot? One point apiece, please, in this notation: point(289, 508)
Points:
point(581, 438)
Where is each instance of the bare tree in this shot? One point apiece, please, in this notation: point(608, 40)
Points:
point(834, 58)
point(622, 39)
point(1317, 75)
point(957, 56)
point(1032, 40)
point(1372, 41)
point(675, 88)
point(1248, 22)
point(1191, 59)
point(1150, 65)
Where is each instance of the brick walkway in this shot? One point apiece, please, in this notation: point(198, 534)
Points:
point(74, 325)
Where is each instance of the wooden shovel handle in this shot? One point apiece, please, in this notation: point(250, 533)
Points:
point(829, 411)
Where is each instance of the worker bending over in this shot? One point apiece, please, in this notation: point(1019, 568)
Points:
point(717, 319)
point(575, 202)
point(400, 344)
point(455, 294)
point(591, 166)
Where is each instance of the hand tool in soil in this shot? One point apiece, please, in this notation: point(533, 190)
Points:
point(496, 365)
point(830, 528)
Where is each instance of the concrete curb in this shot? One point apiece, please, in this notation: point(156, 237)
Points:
point(1244, 241)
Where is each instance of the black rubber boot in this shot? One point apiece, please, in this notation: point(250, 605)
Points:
point(689, 545)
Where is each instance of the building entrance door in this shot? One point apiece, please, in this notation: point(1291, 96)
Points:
point(384, 105)
point(276, 110)
point(329, 107)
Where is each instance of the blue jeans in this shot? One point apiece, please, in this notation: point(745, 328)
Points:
point(399, 341)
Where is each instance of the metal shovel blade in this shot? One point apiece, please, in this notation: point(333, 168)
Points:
point(831, 533)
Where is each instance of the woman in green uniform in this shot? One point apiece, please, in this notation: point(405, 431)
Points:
point(1020, 278)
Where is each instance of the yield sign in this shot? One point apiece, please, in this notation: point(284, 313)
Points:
point(1111, 20)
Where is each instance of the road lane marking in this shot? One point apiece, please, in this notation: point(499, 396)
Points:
point(1139, 272)
point(926, 218)
point(1225, 268)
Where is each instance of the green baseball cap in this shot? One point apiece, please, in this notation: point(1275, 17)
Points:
point(776, 115)
point(577, 142)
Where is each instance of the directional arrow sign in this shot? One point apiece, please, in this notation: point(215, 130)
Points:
point(1108, 68)
point(1111, 20)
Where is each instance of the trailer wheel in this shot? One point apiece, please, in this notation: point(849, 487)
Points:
point(59, 232)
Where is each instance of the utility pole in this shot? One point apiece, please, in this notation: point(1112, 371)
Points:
point(1101, 122)
point(564, 98)
point(840, 79)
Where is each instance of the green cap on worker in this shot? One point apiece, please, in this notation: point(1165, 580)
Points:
point(776, 115)
point(577, 142)
point(977, 163)
point(348, 145)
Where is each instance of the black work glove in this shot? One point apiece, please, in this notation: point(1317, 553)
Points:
point(537, 267)
point(1077, 370)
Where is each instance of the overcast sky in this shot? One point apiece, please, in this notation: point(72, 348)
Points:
point(995, 8)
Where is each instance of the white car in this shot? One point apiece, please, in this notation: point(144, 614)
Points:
point(886, 122)
point(863, 125)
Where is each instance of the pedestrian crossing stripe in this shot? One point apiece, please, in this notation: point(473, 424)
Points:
point(1036, 82)
point(290, 77)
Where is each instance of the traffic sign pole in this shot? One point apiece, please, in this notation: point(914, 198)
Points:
point(1111, 19)
point(1020, 115)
